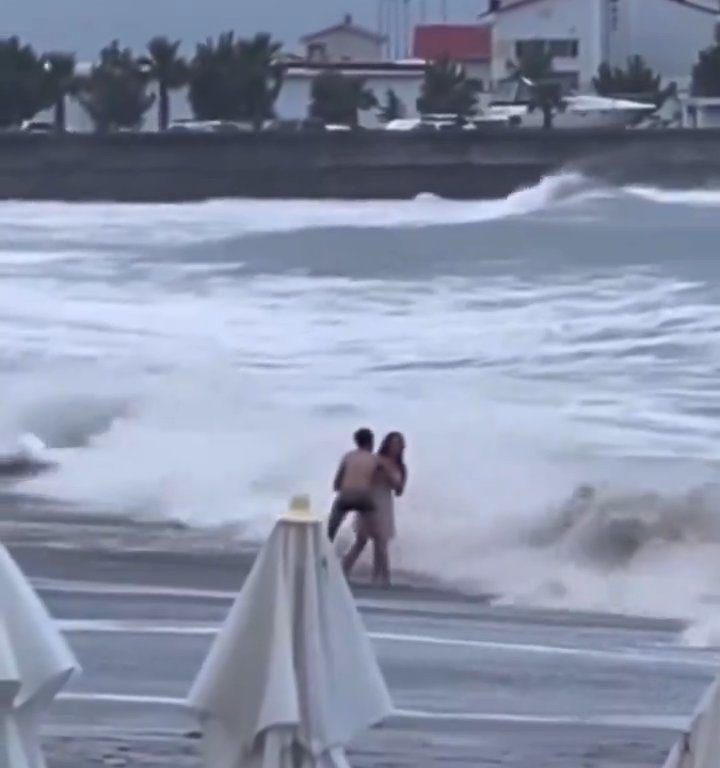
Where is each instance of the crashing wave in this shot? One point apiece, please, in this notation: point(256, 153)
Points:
point(28, 459)
point(609, 527)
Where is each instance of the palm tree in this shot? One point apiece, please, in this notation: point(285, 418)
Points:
point(23, 90)
point(535, 64)
point(637, 80)
point(168, 70)
point(264, 76)
point(213, 88)
point(536, 67)
point(447, 90)
point(338, 99)
point(60, 81)
point(236, 79)
point(706, 73)
point(392, 109)
point(115, 93)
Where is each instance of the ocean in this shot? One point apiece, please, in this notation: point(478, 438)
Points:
point(204, 362)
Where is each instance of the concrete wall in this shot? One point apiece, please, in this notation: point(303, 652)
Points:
point(366, 164)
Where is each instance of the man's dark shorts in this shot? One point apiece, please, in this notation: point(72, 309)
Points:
point(348, 501)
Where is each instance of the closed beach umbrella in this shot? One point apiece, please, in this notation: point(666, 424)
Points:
point(699, 746)
point(35, 663)
point(292, 676)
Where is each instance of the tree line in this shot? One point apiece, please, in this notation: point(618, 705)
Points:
point(227, 79)
point(240, 79)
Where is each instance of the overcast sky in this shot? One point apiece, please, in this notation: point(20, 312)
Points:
point(84, 26)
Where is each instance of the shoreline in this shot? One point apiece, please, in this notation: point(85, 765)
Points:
point(57, 543)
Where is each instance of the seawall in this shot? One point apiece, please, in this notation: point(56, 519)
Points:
point(367, 164)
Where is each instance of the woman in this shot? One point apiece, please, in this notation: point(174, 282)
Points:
point(379, 525)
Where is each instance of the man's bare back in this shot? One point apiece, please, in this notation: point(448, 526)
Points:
point(357, 471)
point(353, 481)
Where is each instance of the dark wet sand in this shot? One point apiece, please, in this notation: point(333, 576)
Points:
point(475, 685)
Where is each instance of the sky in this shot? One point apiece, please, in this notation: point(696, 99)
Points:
point(85, 26)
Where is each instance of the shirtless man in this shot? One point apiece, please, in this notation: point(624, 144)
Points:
point(353, 481)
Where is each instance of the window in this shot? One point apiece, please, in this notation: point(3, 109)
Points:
point(614, 15)
point(561, 49)
point(529, 48)
point(317, 52)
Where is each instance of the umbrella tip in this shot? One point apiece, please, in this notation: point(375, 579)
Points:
point(300, 503)
point(299, 509)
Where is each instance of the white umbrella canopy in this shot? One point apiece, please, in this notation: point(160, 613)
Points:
point(292, 676)
point(35, 663)
point(699, 746)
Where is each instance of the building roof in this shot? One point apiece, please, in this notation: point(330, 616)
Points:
point(347, 25)
point(407, 65)
point(309, 68)
point(370, 75)
point(694, 5)
point(460, 42)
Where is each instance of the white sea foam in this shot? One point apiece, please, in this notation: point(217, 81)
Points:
point(530, 354)
point(112, 225)
point(689, 197)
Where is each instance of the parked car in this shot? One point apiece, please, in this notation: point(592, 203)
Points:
point(37, 126)
point(210, 126)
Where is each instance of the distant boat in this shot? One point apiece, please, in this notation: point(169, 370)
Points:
point(576, 111)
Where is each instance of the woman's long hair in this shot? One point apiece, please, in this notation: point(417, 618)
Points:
point(384, 450)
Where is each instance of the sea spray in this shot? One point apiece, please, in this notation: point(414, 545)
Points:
point(203, 362)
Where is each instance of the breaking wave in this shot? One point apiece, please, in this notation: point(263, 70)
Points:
point(203, 362)
point(116, 225)
point(626, 541)
point(622, 550)
point(689, 197)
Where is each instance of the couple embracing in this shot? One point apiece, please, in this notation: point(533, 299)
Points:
point(366, 483)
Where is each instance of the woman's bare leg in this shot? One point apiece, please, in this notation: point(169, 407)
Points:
point(352, 555)
point(381, 562)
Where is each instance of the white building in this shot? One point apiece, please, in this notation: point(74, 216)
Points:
point(701, 112)
point(345, 41)
point(582, 34)
point(404, 78)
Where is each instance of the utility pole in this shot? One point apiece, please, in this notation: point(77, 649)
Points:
point(407, 28)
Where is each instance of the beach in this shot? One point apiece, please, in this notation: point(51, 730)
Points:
point(473, 683)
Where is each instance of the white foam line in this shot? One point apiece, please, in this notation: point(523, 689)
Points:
point(628, 721)
point(50, 586)
point(132, 626)
point(124, 698)
point(126, 590)
point(616, 721)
